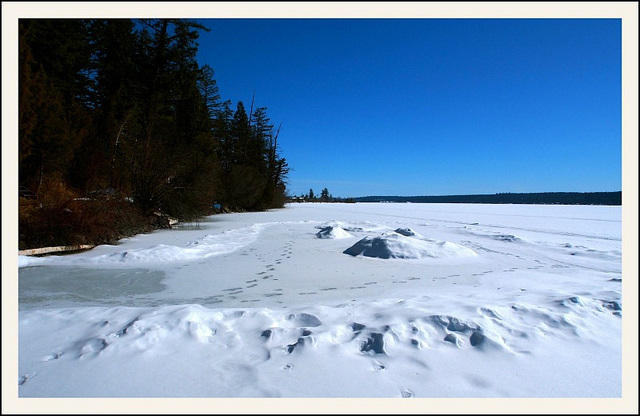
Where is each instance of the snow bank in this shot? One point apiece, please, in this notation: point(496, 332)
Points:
point(201, 248)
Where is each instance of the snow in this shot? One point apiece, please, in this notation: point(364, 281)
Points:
point(332, 231)
point(385, 301)
point(200, 248)
point(405, 244)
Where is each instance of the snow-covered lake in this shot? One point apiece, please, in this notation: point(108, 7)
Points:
point(335, 300)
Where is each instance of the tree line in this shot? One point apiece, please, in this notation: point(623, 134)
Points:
point(120, 108)
point(560, 198)
point(324, 196)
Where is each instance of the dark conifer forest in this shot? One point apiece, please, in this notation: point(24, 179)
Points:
point(120, 128)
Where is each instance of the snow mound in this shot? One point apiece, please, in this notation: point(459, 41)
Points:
point(398, 246)
point(408, 232)
point(333, 232)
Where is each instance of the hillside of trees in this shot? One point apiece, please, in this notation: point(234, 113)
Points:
point(120, 127)
point(562, 198)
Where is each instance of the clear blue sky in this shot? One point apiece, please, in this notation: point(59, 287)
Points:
point(431, 106)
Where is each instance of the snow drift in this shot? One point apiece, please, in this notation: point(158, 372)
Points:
point(333, 232)
point(405, 244)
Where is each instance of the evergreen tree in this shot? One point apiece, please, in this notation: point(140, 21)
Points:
point(241, 131)
point(209, 90)
point(324, 195)
point(257, 152)
point(222, 135)
point(245, 183)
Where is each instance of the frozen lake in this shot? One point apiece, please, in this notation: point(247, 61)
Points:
point(335, 300)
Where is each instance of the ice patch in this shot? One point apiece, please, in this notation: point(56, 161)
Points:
point(27, 261)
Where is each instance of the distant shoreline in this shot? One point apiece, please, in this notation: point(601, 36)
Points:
point(544, 198)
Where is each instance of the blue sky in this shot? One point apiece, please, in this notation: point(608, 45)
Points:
point(431, 106)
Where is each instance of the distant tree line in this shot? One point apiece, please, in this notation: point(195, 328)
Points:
point(561, 198)
point(121, 108)
point(325, 196)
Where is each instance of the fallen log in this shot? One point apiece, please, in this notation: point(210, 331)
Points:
point(47, 250)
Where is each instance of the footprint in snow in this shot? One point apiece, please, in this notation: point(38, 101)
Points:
point(378, 366)
point(53, 356)
point(406, 393)
point(269, 295)
point(25, 378)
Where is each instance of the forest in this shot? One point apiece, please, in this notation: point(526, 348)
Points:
point(121, 128)
point(557, 198)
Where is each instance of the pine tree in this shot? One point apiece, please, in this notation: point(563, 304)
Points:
point(324, 195)
point(222, 135)
point(209, 90)
point(241, 132)
point(257, 152)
